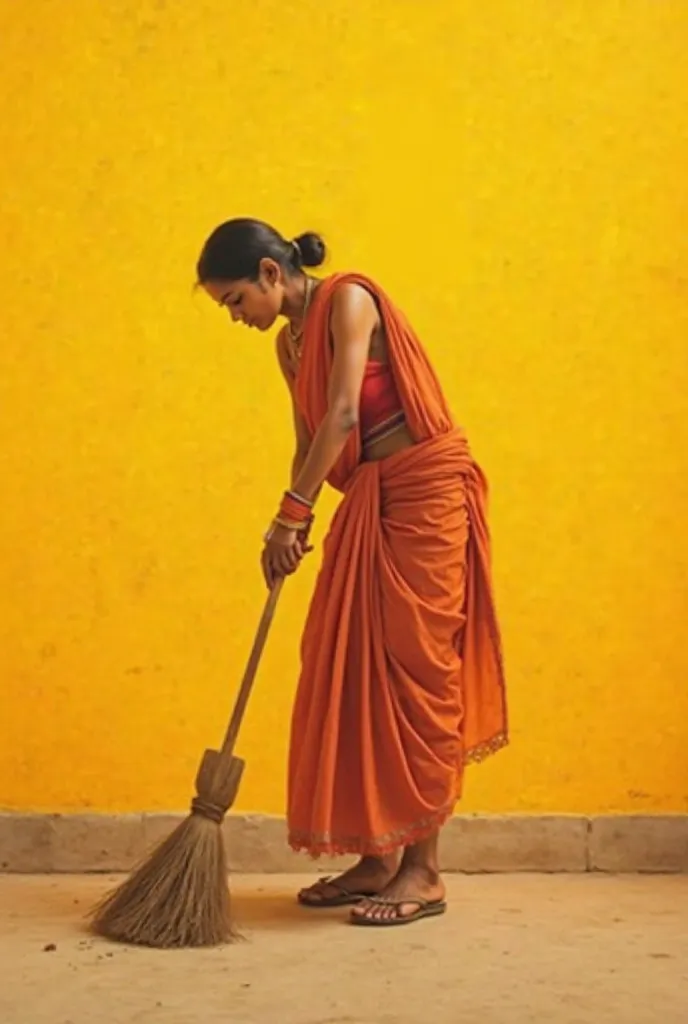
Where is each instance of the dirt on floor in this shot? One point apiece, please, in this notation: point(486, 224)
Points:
point(575, 949)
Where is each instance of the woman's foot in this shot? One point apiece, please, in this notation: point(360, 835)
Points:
point(367, 878)
point(416, 891)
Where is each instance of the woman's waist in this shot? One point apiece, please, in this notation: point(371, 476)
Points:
point(401, 457)
point(386, 439)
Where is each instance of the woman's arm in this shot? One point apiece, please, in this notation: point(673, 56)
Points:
point(353, 320)
point(301, 432)
point(288, 547)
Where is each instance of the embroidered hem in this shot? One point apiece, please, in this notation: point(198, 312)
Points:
point(377, 846)
point(477, 754)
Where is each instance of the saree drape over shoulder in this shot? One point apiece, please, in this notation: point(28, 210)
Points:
point(401, 679)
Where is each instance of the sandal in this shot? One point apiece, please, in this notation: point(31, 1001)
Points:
point(343, 897)
point(426, 908)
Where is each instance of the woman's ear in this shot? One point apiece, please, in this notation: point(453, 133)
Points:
point(270, 271)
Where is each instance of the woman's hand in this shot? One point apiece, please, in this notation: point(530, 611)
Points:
point(284, 549)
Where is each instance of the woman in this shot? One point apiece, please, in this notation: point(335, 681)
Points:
point(401, 679)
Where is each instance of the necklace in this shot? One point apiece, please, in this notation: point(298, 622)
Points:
point(296, 337)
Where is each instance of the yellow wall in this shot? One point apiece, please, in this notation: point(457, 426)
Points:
point(514, 173)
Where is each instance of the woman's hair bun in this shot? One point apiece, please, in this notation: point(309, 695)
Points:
point(311, 249)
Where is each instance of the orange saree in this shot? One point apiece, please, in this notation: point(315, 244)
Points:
point(401, 679)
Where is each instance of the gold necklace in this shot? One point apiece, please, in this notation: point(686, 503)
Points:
point(296, 338)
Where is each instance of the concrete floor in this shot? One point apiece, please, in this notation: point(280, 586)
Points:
point(575, 949)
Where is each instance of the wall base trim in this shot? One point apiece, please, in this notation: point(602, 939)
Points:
point(84, 843)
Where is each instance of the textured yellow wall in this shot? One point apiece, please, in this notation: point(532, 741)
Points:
point(514, 173)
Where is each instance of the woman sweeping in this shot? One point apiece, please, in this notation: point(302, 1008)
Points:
point(401, 681)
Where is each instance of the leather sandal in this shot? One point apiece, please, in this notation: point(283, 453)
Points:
point(342, 898)
point(426, 908)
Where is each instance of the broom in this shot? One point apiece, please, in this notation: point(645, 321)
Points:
point(180, 895)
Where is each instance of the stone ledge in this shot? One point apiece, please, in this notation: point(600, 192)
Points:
point(642, 842)
point(506, 843)
point(76, 843)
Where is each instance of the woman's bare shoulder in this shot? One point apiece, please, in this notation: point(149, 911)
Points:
point(351, 298)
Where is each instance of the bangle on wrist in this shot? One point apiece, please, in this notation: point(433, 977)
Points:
point(287, 524)
point(295, 509)
point(295, 513)
point(298, 498)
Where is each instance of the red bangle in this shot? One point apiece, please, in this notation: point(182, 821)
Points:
point(298, 498)
point(295, 509)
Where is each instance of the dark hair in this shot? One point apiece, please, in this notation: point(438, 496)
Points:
point(234, 251)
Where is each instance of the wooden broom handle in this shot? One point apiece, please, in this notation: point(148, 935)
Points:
point(227, 748)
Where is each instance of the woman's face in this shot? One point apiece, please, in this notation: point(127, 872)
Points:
point(253, 303)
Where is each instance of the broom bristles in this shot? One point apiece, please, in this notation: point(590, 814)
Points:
point(178, 897)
